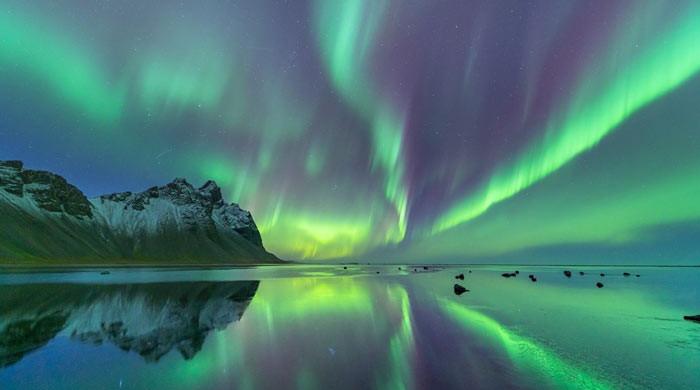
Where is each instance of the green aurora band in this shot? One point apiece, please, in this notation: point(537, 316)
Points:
point(600, 104)
point(347, 38)
point(319, 131)
point(37, 51)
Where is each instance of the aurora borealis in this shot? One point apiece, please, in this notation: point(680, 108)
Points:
point(385, 130)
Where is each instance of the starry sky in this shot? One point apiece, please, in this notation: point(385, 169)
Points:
point(381, 130)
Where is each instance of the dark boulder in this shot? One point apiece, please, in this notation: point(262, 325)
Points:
point(459, 290)
point(567, 274)
point(460, 277)
point(581, 273)
point(602, 274)
point(695, 318)
point(599, 285)
point(506, 275)
point(625, 274)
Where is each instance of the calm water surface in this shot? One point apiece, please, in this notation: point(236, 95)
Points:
point(324, 327)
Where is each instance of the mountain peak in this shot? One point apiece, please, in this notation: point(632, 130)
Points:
point(170, 223)
point(15, 164)
point(48, 191)
point(190, 208)
point(181, 180)
point(211, 191)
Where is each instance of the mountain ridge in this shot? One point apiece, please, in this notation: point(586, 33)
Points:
point(45, 220)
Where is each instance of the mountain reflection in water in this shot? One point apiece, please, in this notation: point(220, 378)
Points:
point(350, 327)
point(149, 319)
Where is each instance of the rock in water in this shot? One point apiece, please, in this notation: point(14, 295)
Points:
point(459, 290)
point(506, 275)
point(581, 273)
point(460, 277)
point(567, 274)
point(602, 274)
point(695, 318)
point(599, 285)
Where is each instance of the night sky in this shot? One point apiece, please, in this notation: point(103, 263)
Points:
point(386, 130)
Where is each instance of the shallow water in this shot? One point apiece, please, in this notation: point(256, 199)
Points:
point(323, 327)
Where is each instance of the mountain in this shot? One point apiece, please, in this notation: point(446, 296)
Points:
point(44, 220)
point(148, 319)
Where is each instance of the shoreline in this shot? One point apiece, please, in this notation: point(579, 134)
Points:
point(19, 268)
point(98, 266)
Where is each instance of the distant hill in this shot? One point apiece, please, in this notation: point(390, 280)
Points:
point(44, 220)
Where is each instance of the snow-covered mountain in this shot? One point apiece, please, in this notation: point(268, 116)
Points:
point(45, 219)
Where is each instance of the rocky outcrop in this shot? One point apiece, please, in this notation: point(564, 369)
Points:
point(11, 178)
point(45, 218)
point(49, 191)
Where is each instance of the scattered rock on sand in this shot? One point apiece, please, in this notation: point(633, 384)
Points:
point(345, 267)
point(637, 275)
point(692, 318)
point(567, 274)
point(625, 274)
point(581, 273)
point(602, 274)
point(460, 277)
point(599, 285)
point(506, 275)
point(517, 272)
point(459, 290)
